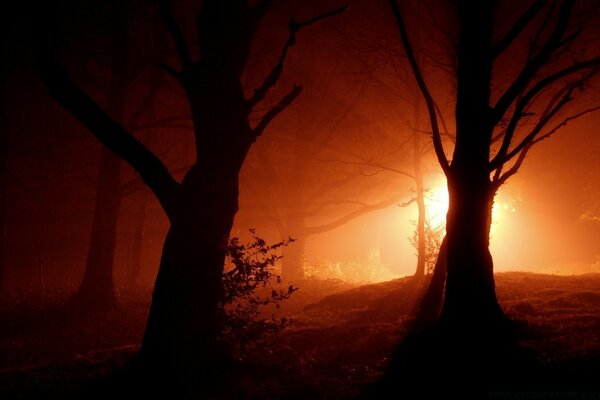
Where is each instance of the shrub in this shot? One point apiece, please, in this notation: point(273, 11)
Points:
point(433, 240)
point(249, 292)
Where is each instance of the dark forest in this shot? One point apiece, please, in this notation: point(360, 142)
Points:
point(286, 199)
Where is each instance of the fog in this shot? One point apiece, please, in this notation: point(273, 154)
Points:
point(324, 158)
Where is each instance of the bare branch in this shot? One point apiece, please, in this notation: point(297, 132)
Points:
point(168, 122)
point(378, 166)
point(535, 63)
point(542, 27)
point(183, 51)
point(443, 133)
point(364, 209)
point(564, 122)
point(537, 88)
point(526, 142)
point(437, 140)
point(518, 27)
point(274, 111)
point(170, 70)
point(408, 202)
point(155, 83)
point(112, 135)
point(271, 79)
point(501, 179)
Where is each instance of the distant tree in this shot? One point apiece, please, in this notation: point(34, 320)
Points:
point(314, 194)
point(96, 292)
point(433, 240)
point(4, 144)
point(183, 322)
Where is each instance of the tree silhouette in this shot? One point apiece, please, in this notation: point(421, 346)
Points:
point(496, 127)
point(333, 198)
point(183, 322)
point(475, 173)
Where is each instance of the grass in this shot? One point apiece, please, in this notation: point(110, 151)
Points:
point(340, 341)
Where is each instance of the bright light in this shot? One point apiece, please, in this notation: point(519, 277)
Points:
point(502, 207)
point(436, 204)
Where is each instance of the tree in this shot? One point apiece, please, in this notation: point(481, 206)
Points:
point(497, 124)
point(96, 292)
point(183, 321)
point(475, 173)
point(316, 190)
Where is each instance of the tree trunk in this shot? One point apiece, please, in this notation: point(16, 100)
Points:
point(97, 288)
point(4, 143)
point(292, 262)
point(470, 290)
point(184, 319)
point(429, 306)
point(138, 241)
point(420, 195)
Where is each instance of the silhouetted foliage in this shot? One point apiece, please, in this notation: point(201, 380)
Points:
point(247, 278)
point(433, 240)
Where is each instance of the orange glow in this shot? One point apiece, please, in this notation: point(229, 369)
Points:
point(436, 204)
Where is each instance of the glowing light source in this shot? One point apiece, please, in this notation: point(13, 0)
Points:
point(436, 204)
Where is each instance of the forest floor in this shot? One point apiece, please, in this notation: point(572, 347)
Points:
point(340, 339)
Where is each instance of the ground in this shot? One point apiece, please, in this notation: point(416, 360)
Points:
point(339, 341)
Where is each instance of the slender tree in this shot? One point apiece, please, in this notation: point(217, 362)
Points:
point(183, 321)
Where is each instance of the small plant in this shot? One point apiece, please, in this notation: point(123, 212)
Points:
point(433, 240)
point(248, 292)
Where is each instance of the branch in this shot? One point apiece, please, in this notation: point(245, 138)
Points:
point(168, 122)
point(170, 70)
point(155, 83)
point(273, 112)
point(534, 65)
point(166, 13)
point(565, 122)
point(380, 166)
point(271, 79)
point(527, 97)
point(408, 202)
point(500, 180)
point(112, 135)
point(526, 142)
point(313, 230)
point(517, 28)
point(443, 133)
point(437, 140)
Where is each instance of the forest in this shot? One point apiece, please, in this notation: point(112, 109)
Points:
point(300, 199)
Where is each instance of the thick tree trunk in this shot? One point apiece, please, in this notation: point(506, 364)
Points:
point(470, 291)
point(429, 306)
point(184, 319)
